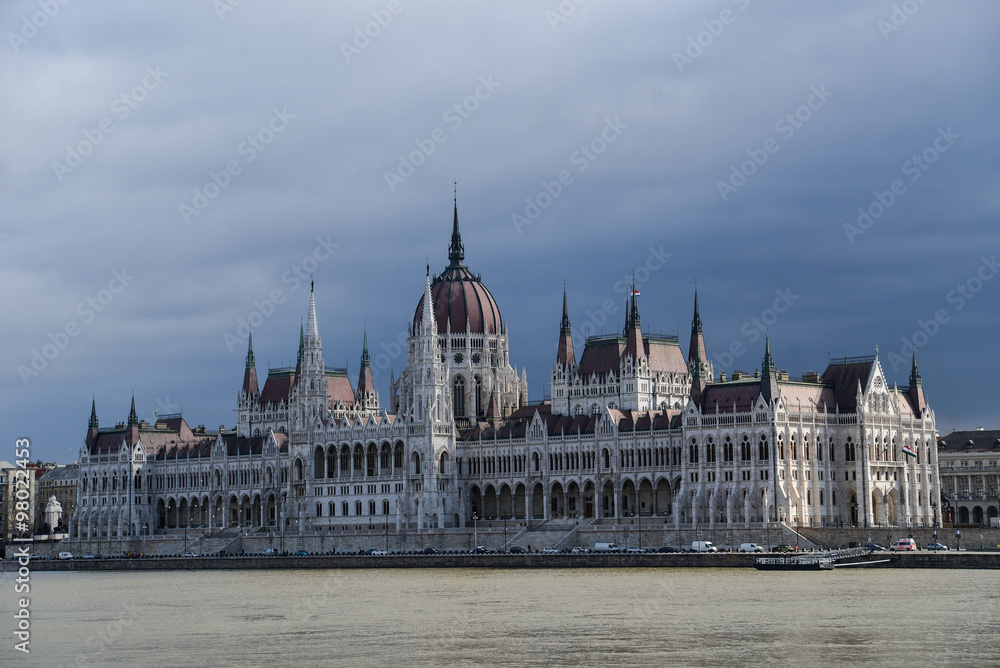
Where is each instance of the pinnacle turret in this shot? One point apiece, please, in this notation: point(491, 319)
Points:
point(456, 251)
point(93, 414)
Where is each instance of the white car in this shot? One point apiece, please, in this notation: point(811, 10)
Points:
point(550, 550)
point(65, 555)
point(580, 550)
point(636, 550)
point(379, 553)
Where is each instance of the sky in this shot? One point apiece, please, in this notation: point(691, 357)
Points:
point(174, 172)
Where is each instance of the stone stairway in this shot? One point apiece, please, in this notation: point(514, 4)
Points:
point(220, 541)
point(550, 534)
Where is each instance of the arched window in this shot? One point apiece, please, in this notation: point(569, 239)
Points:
point(745, 448)
point(385, 507)
point(727, 450)
point(345, 509)
point(415, 462)
point(319, 510)
point(535, 462)
point(762, 450)
point(693, 452)
point(458, 397)
point(333, 508)
point(371, 507)
point(357, 508)
point(710, 451)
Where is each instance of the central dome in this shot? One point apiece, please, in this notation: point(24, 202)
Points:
point(462, 304)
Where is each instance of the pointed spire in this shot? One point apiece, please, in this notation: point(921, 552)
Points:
point(312, 328)
point(916, 390)
point(633, 332)
point(250, 360)
point(768, 375)
point(565, 353)
point(133, 418)
point(768, 365)
point(456, 251)
point(428, 325)
point(365, 360)
point(93, 414)
point(696, 321)
point(564, 327)
point(302, 345)
point(697, 353)
point(914, 372)
point(250, 373)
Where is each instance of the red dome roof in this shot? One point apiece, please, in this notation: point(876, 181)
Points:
point(460, 298)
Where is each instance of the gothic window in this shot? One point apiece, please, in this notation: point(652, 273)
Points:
point(385, 507)
point(345, 509)
point(727, 450)
point(693, 452)
point(371, 507)
point(762, 449)
point(319, 510)
point(745, 448)
point(458, 397)
point(710, 451)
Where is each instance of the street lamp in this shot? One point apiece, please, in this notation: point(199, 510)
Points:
point(505, 533)
point(145, 528)
point(958, 539)
point(475, 534)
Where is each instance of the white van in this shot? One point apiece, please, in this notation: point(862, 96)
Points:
point(703, 546)
point(65, 555)
point(605, 547)
point(750, 547)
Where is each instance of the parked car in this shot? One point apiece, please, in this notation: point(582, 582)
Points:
point(380, 553)
point(936, 546)
point(190, 554)
point(875, 547)
point(635, 550)
point(301, 553)
point(666, 549)
point(517, 550)
point(270, 551)
point(90, 556)
point(65, 555)
point(430, 550)
point(750, 547)
point(785, 548)
point(550, 550)
point(580, 550)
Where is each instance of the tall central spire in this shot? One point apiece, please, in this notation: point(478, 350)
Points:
point(456, 251)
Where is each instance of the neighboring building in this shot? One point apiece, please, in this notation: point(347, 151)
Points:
point(60, 482)
point(633, 428)
point(970, 476)
point(11, 476)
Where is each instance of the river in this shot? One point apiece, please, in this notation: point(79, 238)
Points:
point(394, 617)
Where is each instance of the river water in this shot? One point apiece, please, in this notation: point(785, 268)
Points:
point(396, 617)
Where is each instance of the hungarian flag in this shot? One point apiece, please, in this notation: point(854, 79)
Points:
point(908, 450)
point(633, 292)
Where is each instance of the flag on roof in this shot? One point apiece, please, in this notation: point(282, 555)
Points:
point(633, 291)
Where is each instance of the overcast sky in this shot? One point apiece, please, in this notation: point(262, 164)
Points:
point(171, 170)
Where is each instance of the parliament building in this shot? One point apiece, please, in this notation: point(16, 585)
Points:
point(634, 427)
